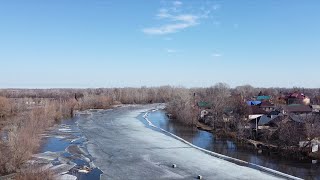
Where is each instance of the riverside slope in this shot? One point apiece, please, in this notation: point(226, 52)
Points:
point(125, 148)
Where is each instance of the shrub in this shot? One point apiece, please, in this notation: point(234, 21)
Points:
point(35, 174)
point(5, 107)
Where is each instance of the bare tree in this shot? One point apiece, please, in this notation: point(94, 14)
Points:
point(5, 107)
point(218, 96)
point(182, 106)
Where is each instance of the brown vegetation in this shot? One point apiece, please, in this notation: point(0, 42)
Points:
point(5, 107)
point(22, 134)
point(35, 174)
point(182, 106)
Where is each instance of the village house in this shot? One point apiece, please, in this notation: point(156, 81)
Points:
point(267, 106)
point(269, 121)
point(253, 103)
point(315, 108)
point(255, 112)
point(204, 111)
point(263, 98)
point(296, 109)
point(296, 98)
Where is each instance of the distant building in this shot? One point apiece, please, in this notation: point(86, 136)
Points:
point(256, 112)
point(296, 109)
point(253, 103)
point(296, 98)
point(263, 98)
point(204, 105)
point(316, 108)
point(267, 106)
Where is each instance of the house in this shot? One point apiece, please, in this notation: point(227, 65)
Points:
point(255, 112)
point(263, 98)
point(204, 105)
point(296, 109)
point(204, 111)
point(253, 103)
point(296, 98)
point(313, 145)
point(268, 121)
point(267, 106)
point(316, 108)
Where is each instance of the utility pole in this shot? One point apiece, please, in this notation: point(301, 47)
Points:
point(194, 107)
point(256, 127)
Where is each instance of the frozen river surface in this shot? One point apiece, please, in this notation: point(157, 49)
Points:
point(123, 147)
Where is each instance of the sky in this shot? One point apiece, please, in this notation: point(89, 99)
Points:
point(191, 43)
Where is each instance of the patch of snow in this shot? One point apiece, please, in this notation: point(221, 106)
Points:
point(67, 177)
point(65, 129)
point(47, 155)
point(62, 168)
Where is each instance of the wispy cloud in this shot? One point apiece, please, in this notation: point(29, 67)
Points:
point(177, 3)
point(170, 50)
point(216, 55)
point(176, 19)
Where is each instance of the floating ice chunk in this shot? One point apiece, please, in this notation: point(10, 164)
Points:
point(65, 129)
point(67, 177)
point(47, 155)
point(62, 168)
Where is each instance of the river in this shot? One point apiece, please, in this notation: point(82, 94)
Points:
point(299, 168)
point(122, 145)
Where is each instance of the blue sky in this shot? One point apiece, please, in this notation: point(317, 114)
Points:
point(117, 43)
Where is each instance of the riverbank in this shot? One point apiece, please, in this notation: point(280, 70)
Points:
point(225, 145)
point(64, 151)
point(288, 152)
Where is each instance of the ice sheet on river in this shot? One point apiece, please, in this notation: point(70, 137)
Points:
point(125, 148)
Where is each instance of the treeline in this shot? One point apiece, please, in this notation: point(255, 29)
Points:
point(123, 95)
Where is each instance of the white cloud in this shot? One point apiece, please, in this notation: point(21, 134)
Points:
point(216, 55)
point(171, 50)
point(175, 20)
point(177, 3)
point(188, 18)
point(216, 7)
point(163, 13)
point(178, 23)
point(167, 29)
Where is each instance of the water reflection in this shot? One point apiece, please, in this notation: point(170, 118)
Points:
point(300, 168)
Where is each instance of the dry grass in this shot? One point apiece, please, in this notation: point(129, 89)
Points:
point(95, 102)
point(35, 174)
point(5, 107)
